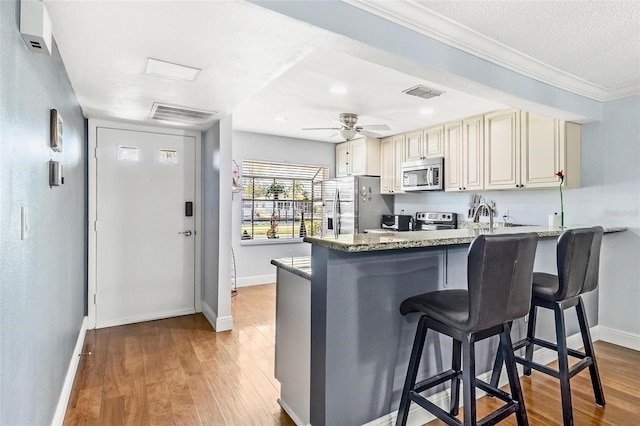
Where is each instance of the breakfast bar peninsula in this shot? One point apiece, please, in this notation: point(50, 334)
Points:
point(342, 347)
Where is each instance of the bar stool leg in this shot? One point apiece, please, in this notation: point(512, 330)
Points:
point(412, 371)
point(563, 366)
point(588, 349)
point(497, 367)
point(531, 334)
point(455, 382)
point(506, 348)
point(469, 381)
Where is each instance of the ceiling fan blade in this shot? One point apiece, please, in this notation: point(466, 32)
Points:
point(321, 128)
point(370, 134)
point(376, 127)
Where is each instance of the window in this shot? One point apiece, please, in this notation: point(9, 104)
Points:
point(280, 200)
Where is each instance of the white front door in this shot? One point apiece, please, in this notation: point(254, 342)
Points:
point(145, 245)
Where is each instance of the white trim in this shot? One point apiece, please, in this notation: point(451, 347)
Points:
point(620, 338)
point(218, 323)
point(292, 414)
point(268, 241)
point(94, 124)
point(256, 280)
point(420, 416)
point(65, 393)
point(425, 21)
point(147, 317)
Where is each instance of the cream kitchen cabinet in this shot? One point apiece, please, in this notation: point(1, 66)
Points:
point(526, 150)
point(391, 156)
point(502, 149)
point(427, 143)
point(548, 145)
point(358, 157)
point(463, 155)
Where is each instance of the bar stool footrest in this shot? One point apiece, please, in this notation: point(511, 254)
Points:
point(553, 347)
point(435, 380)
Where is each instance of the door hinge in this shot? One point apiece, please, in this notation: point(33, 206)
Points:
point(95, 226)
point(94, 298)
point(95, 152)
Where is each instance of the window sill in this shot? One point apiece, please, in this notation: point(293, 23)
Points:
point(268, 241)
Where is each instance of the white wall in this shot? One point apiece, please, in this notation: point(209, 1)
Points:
point(253, 261)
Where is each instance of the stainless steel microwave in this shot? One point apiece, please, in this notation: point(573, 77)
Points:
point(423, 175)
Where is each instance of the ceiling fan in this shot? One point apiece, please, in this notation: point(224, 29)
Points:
point(349, 130)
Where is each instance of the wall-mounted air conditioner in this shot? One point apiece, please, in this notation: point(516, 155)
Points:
point(35, 26)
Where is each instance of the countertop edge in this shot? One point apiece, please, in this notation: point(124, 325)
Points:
point(397, 240)
point(300, 266)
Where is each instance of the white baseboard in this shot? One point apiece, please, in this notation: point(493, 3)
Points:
point(65, 393)
point(218, 323)
point(256, 280)
point(419, 416)
point(142, 318)
point(292, 414)
point(620, 338)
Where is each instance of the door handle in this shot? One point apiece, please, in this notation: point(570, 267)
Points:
point(185, 233)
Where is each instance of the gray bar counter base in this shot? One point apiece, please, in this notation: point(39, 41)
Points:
point(360, 344)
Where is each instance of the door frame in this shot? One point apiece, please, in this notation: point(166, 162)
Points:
point(93, 126)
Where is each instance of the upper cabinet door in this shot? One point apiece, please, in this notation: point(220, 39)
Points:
point(542, 154)
point(342, 160)
point(433, 142)
point(502, 145)
point(358, 156)
point(398, 153)
point(453, 156)
point(472, 154)
point(386, 166)
point(413, 146)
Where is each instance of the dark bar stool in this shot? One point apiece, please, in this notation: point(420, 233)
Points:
point(499, 291)
point(578, 258)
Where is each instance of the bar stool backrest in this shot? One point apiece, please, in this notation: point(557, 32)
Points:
point(499, 274)
point(578, 257)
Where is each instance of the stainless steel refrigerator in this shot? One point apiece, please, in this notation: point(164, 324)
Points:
point(353, 204)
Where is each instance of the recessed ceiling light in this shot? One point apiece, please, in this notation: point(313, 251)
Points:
point(426, 111)
point(169, 70)
point(338, 90)
point(280, 118)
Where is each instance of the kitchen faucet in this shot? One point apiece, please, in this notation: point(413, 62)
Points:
point(476, 213)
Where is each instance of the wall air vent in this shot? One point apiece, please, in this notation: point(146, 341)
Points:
point(423, 92)
point(180, 114)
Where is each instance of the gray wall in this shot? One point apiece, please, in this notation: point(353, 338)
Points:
point(42, 279)
point(210, 214)
point(253, 261)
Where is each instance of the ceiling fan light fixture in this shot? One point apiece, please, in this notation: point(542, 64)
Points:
point(348, 134)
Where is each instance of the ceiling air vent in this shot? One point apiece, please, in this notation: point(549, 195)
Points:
point(180, 114)
point(423, 92)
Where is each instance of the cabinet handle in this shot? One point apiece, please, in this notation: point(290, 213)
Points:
point(459, 189)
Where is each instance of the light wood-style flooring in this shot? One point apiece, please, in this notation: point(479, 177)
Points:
point(178, 371)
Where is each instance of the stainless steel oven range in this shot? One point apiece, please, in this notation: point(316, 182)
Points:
point(433, 221)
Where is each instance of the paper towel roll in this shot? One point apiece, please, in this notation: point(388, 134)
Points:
point(554, 220)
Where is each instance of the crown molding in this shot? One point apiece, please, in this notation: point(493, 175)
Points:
point(424, 21)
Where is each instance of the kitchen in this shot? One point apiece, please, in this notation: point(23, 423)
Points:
point(608, 192)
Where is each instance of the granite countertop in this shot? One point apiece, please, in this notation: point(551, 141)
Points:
point(301, 266)
point(412, 239)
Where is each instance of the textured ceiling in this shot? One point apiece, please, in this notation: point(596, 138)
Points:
point(257, 64)
point(598, 41)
